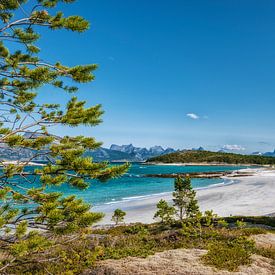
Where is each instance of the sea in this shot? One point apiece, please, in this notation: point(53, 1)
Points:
point(134, 186)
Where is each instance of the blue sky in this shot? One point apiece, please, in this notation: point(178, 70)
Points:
point(162, 60)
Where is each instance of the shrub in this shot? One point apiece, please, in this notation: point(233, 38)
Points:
point(165, 212)
point(229, 255)
point(267, 252)
point(252, 231)
point(222, 223)
point(118, 216)
point(264, 220)
point(209, 218)
point(240, 224)
point(137, 229)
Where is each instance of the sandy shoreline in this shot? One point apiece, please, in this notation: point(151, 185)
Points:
point(251, 195)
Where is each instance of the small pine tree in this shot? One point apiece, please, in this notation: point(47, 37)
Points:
point(209, 217)
point(118, 216)
point(165, 212)
point(184, 198)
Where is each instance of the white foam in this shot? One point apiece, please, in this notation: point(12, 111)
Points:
point(143, 197)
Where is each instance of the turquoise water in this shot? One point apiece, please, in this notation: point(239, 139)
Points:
point(132, 185)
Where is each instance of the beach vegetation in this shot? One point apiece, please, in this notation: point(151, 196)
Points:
point(253, 220)
point(227, 247)
point(222, 223)
point(192, 227)
point(165, 212)
point(209, 218)
point(184, 198)
point(240, 223)
point(118, 216)
point(229, 255)
point(137, 229)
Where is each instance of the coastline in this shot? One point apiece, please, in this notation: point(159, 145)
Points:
point(243, 196)
point(204, 164)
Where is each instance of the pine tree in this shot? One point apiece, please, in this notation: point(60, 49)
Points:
point(184, 198)
point(165, 212)
point(118, 216)
point(25, 124)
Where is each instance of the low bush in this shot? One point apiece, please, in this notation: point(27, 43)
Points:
point(266, 252)
point(137, 229)
point(263, 220)
point(229, 255)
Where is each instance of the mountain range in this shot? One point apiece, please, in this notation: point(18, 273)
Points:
point(127, 153)
point(116, 153)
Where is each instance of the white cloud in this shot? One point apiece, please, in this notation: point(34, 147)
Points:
point(192, 116)
point(233, 147)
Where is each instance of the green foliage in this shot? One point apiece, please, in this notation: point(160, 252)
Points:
point(118, 216)
point(229, 255)
point(25, 123)
point(209, 218)
point(72, 255)
point(263, 220)
point(184, 198)
point(240, 224)
point(165, 212)
point(266, 252)
point(79, 252)
point(158, 239)
point(137, 229)
point(222, 223)
point(192, 227)
point(34, 243)
point(188, 156)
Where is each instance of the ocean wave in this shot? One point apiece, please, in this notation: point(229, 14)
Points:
point(226, 182)
point(145, 196)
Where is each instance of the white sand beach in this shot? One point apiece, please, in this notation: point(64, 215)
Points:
point(251, 195)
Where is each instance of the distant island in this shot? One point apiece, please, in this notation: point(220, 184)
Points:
point(208, 157)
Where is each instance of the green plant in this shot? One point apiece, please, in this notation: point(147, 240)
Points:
point(240, 224)
point(229, 255)
point(25, 124)
point(222, 223)
point(184, 198)
point(263, 220)
point(118, 216)
point(165, 212)
point(192, 227)
point(137, 229)
point(209, 218)
point(69, 255)
point(266, 252)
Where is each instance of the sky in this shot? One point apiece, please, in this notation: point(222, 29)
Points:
point(174, 73)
